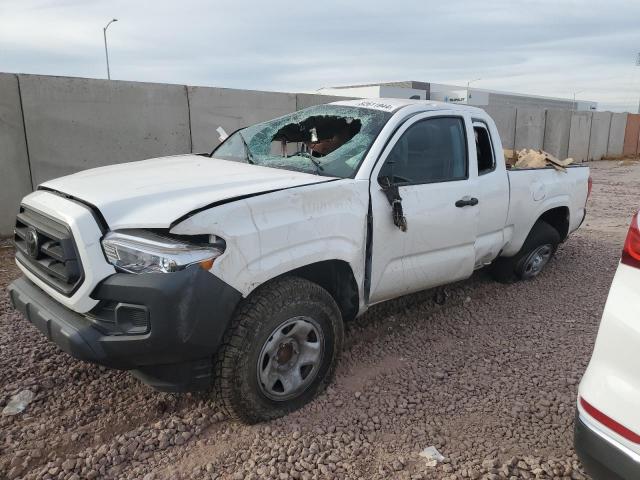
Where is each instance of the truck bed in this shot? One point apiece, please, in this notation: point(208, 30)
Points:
point(547, 188)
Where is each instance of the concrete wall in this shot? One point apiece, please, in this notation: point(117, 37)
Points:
point(556, 132)
point(530, 124)
point(599, 135)
point(74, 123)
point(15, 179)
point(631, 134)
point(579, 136)
point(231, 109)
point(505, 119)
point(616, 134)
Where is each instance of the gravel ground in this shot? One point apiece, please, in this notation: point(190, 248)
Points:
point(489, 379)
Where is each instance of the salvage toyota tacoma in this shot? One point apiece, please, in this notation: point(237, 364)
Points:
point(234, 272)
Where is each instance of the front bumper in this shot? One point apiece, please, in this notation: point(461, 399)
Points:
point(600, 457)
point(187, 314)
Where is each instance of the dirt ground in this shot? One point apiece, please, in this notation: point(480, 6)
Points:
point(489, 379)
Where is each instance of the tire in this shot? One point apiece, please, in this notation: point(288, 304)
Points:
point(269, 363)
point(539, 247)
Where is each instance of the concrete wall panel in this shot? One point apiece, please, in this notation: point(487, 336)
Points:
point(231, 109)
point(599, 136)
point(556, 133)
point(15, 180)
point(616, 134)
point(579, 136)
point(505, 119)
point(631, 134)
point(75, 123)
point(530, 125)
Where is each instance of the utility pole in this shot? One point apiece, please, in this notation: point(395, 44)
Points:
point(575, 105)
point(106, 50)
point(469, 83)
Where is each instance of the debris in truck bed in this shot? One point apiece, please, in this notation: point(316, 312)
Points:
point(530, 158)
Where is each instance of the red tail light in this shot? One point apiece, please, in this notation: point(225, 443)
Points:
point(631, 251)
point(609, 422)
point(589, 186)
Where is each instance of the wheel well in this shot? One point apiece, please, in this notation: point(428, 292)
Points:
point(337, 278)
point(558, 218)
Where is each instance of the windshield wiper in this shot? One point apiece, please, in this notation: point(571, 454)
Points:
point(246, 148)
point(313, 160)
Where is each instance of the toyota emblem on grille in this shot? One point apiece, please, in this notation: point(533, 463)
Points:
point(33, 243)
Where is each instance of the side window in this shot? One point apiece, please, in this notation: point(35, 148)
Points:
point(486, 161)
point(431, 150)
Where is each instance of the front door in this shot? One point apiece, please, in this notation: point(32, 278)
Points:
point(428, 158)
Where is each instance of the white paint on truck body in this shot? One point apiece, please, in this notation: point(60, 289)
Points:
point(274, 220)
point(561, 189)
point(272, 234)
point(438, 246)
point(154, 193)
point(87, 236)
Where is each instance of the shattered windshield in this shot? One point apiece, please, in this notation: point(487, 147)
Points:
point(330, 140)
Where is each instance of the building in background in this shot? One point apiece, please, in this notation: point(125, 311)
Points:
point(479, 97)
point(409, 89)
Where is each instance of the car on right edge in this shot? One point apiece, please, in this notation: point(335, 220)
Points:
point(607, 426)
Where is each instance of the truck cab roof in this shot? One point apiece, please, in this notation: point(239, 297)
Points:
point(396, 104)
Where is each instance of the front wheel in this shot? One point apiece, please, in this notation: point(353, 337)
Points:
point(280, 350)
point(537, 250)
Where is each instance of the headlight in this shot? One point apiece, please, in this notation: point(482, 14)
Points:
point(140, 251)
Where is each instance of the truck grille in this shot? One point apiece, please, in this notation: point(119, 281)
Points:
point(46, 248)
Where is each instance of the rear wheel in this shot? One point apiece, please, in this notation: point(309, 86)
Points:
point(280, 351)
point(536, 261)
point(537, 250)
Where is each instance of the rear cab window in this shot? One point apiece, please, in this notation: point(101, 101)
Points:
point(484, 148)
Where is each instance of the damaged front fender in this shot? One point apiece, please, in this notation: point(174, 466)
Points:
point(271, 234)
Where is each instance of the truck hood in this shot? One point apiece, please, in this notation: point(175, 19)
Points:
point(155, 193)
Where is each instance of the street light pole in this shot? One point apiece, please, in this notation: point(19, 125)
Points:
point(106, 50)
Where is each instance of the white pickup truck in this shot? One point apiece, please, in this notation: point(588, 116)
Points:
point(235, 271)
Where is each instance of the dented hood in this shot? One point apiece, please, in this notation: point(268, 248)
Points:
point(154, 193)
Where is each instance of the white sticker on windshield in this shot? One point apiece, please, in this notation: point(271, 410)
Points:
point(385, 107)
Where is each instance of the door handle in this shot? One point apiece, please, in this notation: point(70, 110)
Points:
point(467, 202)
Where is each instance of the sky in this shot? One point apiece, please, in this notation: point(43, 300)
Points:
point(554, 48)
